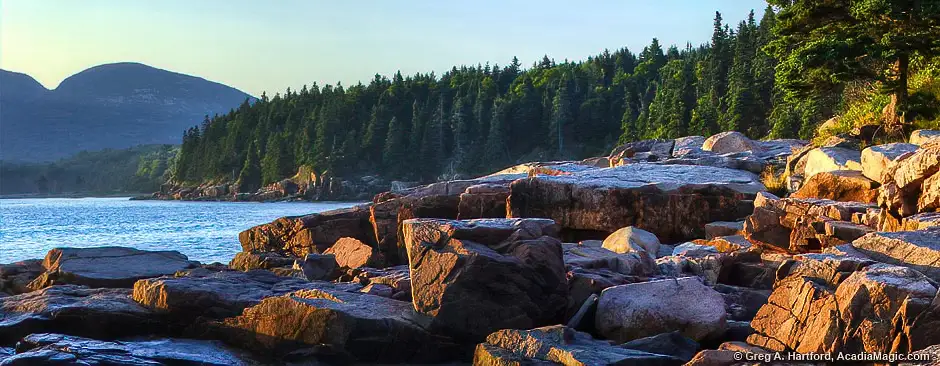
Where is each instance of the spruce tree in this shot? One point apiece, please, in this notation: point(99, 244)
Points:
point(562, 117)
point(249, 178)
point(394, 155)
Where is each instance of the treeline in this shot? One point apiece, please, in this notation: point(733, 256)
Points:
point(112, 171)
point(476, 119)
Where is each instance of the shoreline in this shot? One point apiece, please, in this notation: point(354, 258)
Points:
point(68, 195)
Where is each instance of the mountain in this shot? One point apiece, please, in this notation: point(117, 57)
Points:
point(108, 106)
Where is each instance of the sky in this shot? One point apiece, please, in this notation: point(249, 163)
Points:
point(261, 46)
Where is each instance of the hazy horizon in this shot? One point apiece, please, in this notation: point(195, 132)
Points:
point(268, 49)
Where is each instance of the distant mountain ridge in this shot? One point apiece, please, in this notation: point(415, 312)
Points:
point(107, 106)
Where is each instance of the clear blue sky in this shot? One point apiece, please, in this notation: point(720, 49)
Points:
point(268, 46)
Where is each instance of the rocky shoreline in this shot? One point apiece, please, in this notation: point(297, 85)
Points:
point(665, 252)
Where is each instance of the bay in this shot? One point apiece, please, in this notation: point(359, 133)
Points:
point(204, 231)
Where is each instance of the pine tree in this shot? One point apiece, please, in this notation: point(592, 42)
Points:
point(823, 44)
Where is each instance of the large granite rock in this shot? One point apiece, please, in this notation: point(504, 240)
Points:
point(638, 310)
point(75, 310)
point(301, 235)
point(245, 261)
point(671, 344)
point(218, 294)
point(15, 277)
point(922, 137)
point(645, 150)
point(919, 250)
point(398, 278)
point(876, 159)
point(558, 345)
point(470, 198)
point(60, 349)
point(352, 253)
point(804, 224)
point(910, 183)
point(482, 201)
point(879, 308)
point(827, 159)
point(729, 142)
point(723, 228)
point(107, 266)
point(318, 267)
point(630, 240)
point(356, 326)
point(689, 145)
point(840, 185)
point(591, 255)
point(474, 277)
point(674, 202)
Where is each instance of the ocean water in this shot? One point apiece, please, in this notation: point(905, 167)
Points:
point(204, 231)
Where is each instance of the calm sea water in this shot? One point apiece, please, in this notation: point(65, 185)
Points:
point(204, 231)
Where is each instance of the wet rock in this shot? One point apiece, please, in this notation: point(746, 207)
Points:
point(827, 159)
point(15, 277)
point(301, 235)
point(458, 266)
point(352, 253)
point(59, 349)
point(558, 345)
point(248, 261)
point(219, 294)
point(876, 159)
point(922, 137)
point(107, 266)
point(840, 185)
point(359, 326)
point(638, 310)
point(723, 228)
point(919, 250)
point(674, 202)
point(74, 310)
point(630, 240)
point(729, 142)
point(670, 344)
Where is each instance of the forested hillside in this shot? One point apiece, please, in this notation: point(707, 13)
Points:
point(476, 119)
point(133, 170)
